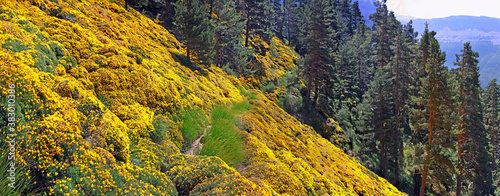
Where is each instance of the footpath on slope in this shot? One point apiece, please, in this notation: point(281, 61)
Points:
point(197, 145)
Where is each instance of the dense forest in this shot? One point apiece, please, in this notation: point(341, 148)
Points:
point(426, 128)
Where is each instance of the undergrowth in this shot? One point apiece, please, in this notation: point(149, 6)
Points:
point(193, 124)
point(224, 139)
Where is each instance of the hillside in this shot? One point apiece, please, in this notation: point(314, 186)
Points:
point(104, 99)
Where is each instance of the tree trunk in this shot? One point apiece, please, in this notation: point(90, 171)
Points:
point(459, 180)
point(416, 179)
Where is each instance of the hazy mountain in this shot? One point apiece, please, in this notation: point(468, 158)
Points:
point(483, 33)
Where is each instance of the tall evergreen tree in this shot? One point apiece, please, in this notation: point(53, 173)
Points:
point(473, 148)
point(376, 115)
point(491, 102)
point(400, 81)
point(229, 27)
point(362, 51)
point(356, 16)
point(195, 29)
point(424, 46)
point(384, 28)
point(434, 119)
point(320, 47)
point(259, 17)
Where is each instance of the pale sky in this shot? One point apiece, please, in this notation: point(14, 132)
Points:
point(443, 8)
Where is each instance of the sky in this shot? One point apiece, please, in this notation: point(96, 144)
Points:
point(442, 8)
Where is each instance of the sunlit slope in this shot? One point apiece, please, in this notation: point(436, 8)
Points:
point(97, 85)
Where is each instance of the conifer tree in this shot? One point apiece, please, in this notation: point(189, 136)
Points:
point(400, 81)
point(278, 19)
point(434, 119)
point(491, 102)
point(383, 26)
point(298, 25)
point(320, 46)
point(473, 148)
point(259, 17)
point(374, 118)
point(424, 47)
point(384, 23)
point(229, 26)
point(360, 43)
point(356, 16)
point(195, 29)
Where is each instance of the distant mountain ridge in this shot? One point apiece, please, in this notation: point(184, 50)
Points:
point(483, 33)
point(457, 23)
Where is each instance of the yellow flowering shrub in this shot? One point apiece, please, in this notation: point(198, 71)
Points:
point(277, 60)
point(98, 90)
point(283, 148)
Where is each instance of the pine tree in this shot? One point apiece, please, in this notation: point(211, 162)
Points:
point(195, 29)
point(384, 27)
point(473, 148)
point(424, 46)
point(298, 25)
point(229, 26)
point(356, 16)
point(375, 115)
point(259, 17)
point(320, 47)
point(278, 24)
point(491, 102)
point(400, 81)
point(434, 119)
point(360, 43)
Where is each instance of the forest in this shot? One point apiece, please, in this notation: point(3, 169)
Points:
point(286, 97)
point(424, 127)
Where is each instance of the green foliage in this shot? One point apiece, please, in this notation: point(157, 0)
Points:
point(290, 100)
point(161, 128)
point(491, 103)
point(473, 148)
point(14, 46)
point(223, 139)
point(436, 131)
point(259, 15)
point(193, 125)
point(195, 29)
point(229, 25)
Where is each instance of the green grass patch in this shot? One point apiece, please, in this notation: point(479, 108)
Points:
point(193, 124)
point(224, 139)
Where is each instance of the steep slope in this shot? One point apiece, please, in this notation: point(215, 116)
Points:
point(100, 94)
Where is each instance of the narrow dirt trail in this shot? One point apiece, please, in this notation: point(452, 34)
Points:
point(196, 146)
